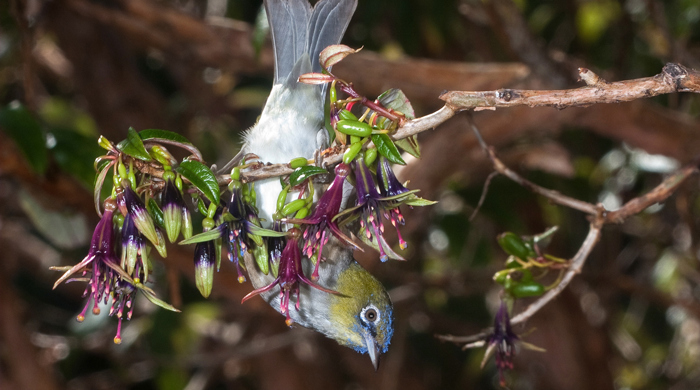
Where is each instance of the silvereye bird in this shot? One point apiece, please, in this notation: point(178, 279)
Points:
point(359, 313)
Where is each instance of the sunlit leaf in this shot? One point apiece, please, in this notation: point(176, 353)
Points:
point(148, 293)
point(157, 134)
point(133, 146)
point(385, 146)
point(201, 177)
point(301, 174)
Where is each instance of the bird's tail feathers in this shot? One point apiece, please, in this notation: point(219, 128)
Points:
point(299, 29)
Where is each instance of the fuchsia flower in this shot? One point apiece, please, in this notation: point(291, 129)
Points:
point(236, 231)
point(107, 277)
point(134, 248)
point(131, 204)
point(390, 186)
point(321, 222)
point(276, 245)
point(290, 275)
point(371, 205)
point(503, 340)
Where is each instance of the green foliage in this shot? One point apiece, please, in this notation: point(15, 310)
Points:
point(17, 122)
point(201, 177)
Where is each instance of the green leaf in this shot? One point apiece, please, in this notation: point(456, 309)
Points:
point(385, 147)
point(201, 177)
point(25, 130)
point(301, 174)
point(133, 146)
point(156, 134)
point(259, 231)
point(100, 185)
point(148, 293)
point(410, 145)
point(261, 258)
point(396, 100)
point(416, 201)
point(209, 235)
point(156, 212)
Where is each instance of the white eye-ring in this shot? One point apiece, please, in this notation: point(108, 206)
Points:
point(370, 314)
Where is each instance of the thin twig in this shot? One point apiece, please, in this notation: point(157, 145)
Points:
point(554, 196)
point(600, 217)
point(574, 268)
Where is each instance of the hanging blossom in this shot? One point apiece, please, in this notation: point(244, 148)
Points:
point(107, 277)
point(131, 205)
point(276, 244)
point(502, 340)
point(320, 224)
point(290, 276)
point(391, 187)
point(370, 207)
point(237, 226)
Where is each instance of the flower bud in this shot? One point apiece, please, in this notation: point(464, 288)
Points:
point(204, 262)
point(172, 210)
point(142, 219)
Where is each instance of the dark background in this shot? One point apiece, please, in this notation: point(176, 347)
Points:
point(201, 68)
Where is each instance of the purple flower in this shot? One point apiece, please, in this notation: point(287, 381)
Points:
point(130, 203)
point(237, 230)
point(107, 277)
point(134, 250)
point(320, 224)
point(370, 207)
point(290, 275)
point(276, 245)
point(235, 223)
point(391, 187)
point(503, 340)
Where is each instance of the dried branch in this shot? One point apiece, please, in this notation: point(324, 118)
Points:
point(673, 78)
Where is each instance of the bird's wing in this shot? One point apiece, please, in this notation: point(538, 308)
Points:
point(289, 21)
point(327, 25)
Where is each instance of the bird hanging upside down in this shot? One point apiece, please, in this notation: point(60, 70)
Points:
point(345, 302)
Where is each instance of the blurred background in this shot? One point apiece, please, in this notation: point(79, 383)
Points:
point(74, 69)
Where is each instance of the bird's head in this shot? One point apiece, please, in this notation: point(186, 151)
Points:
point(362, 314)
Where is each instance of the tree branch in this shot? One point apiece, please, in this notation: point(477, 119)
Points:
point(673, 78)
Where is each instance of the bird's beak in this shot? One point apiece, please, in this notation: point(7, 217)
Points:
point(372, 349)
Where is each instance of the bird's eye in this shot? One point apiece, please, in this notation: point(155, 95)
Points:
point(370, 314)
